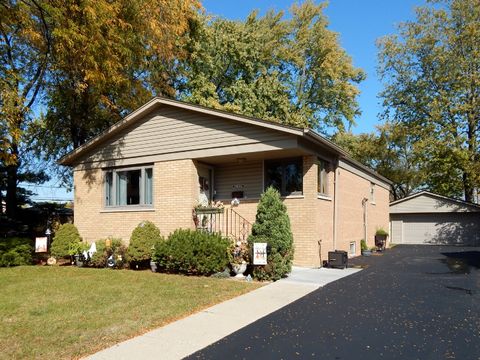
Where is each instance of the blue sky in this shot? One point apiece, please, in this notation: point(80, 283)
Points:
point(359, 22)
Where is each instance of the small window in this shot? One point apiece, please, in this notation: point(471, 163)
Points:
point(128, 187)
point(285, 175)
point(353, 248)
point(372, 193)
point(322, 186)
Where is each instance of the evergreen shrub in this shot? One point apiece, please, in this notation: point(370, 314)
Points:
point(193, 252)
point(15, 251)
point(272, 226)
point(142, 242)
point(66, 240)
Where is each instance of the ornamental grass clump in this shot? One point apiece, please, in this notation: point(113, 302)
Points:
point(66, 239)
point(142, 243)
point(193, 252)
point(272, 226)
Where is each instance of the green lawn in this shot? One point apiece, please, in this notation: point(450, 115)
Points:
point(68, 312)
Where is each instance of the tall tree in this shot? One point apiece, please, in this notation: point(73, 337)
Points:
point(288, 70)
point(431, 71)
point(110, 56)
point(24, 57)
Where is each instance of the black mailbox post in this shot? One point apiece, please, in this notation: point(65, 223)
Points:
point(338, 259)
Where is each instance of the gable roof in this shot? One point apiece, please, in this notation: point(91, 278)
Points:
point(436, 197)
point(309, 134)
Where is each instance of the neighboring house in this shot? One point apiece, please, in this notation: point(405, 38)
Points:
point(427, 218)
point(157, 163)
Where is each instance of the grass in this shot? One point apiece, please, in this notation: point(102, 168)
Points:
point(69, 312)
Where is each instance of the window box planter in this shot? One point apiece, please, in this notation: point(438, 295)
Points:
point(209, 210)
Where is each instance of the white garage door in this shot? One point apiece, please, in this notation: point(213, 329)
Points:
point(449, 228)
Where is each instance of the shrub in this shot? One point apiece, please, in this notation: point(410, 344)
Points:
point(116, 249)
point(15, 251)
point(193, 252)
point(272, 225)
point(66, 241)
point(381, 232)
point(142, 242)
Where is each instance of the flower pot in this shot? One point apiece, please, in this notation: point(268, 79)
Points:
point(381, 241)
point(366, 252)
point(239, 269)
point(79, 261)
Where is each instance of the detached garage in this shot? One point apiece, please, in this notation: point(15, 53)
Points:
point(427, 218)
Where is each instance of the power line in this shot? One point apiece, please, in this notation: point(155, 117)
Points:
point(50, 199)
point(45, 186)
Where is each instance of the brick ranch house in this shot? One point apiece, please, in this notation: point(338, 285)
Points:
point(153, 164)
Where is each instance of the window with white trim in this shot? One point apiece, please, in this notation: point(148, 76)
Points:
point(353, 248)
point(129, 187)
point(322, 185)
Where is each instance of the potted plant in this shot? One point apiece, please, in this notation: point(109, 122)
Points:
point(76, 250)
point(381, 236)
point(365, 250)
point(239, 257)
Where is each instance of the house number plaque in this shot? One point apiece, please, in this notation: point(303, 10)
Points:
point(259, 253)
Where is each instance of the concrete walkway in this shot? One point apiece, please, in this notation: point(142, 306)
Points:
point(186, 336)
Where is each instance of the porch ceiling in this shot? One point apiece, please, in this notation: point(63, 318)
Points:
point(262, 155)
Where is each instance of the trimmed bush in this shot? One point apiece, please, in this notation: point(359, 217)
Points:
point(381, 232)
point(116, 249)
point(272, 225)
point(66, 241)
point(142, 242)
point(193, 252)
point(15, 251)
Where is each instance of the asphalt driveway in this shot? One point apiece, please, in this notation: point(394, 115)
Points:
point(413, 302)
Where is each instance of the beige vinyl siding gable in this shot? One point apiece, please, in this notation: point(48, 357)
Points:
point(172, 130)
point(428, 204)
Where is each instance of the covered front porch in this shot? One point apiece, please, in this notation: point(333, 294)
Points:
point(237, 181)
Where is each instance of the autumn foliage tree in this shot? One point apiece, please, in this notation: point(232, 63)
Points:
point(89, 63)
point(110, 57)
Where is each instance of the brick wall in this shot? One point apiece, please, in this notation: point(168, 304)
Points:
point(175, 193)
point(351, 190)
point(175, 190)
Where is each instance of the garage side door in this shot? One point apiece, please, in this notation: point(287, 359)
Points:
point(454, 229)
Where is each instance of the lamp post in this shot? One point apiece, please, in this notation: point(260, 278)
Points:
point(48, 232)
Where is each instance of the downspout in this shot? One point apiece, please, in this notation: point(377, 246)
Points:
point(335, 204)
point(365, 219)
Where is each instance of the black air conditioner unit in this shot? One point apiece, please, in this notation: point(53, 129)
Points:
point(337, 259)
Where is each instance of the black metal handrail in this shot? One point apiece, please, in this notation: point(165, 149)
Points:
point(225, 221)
